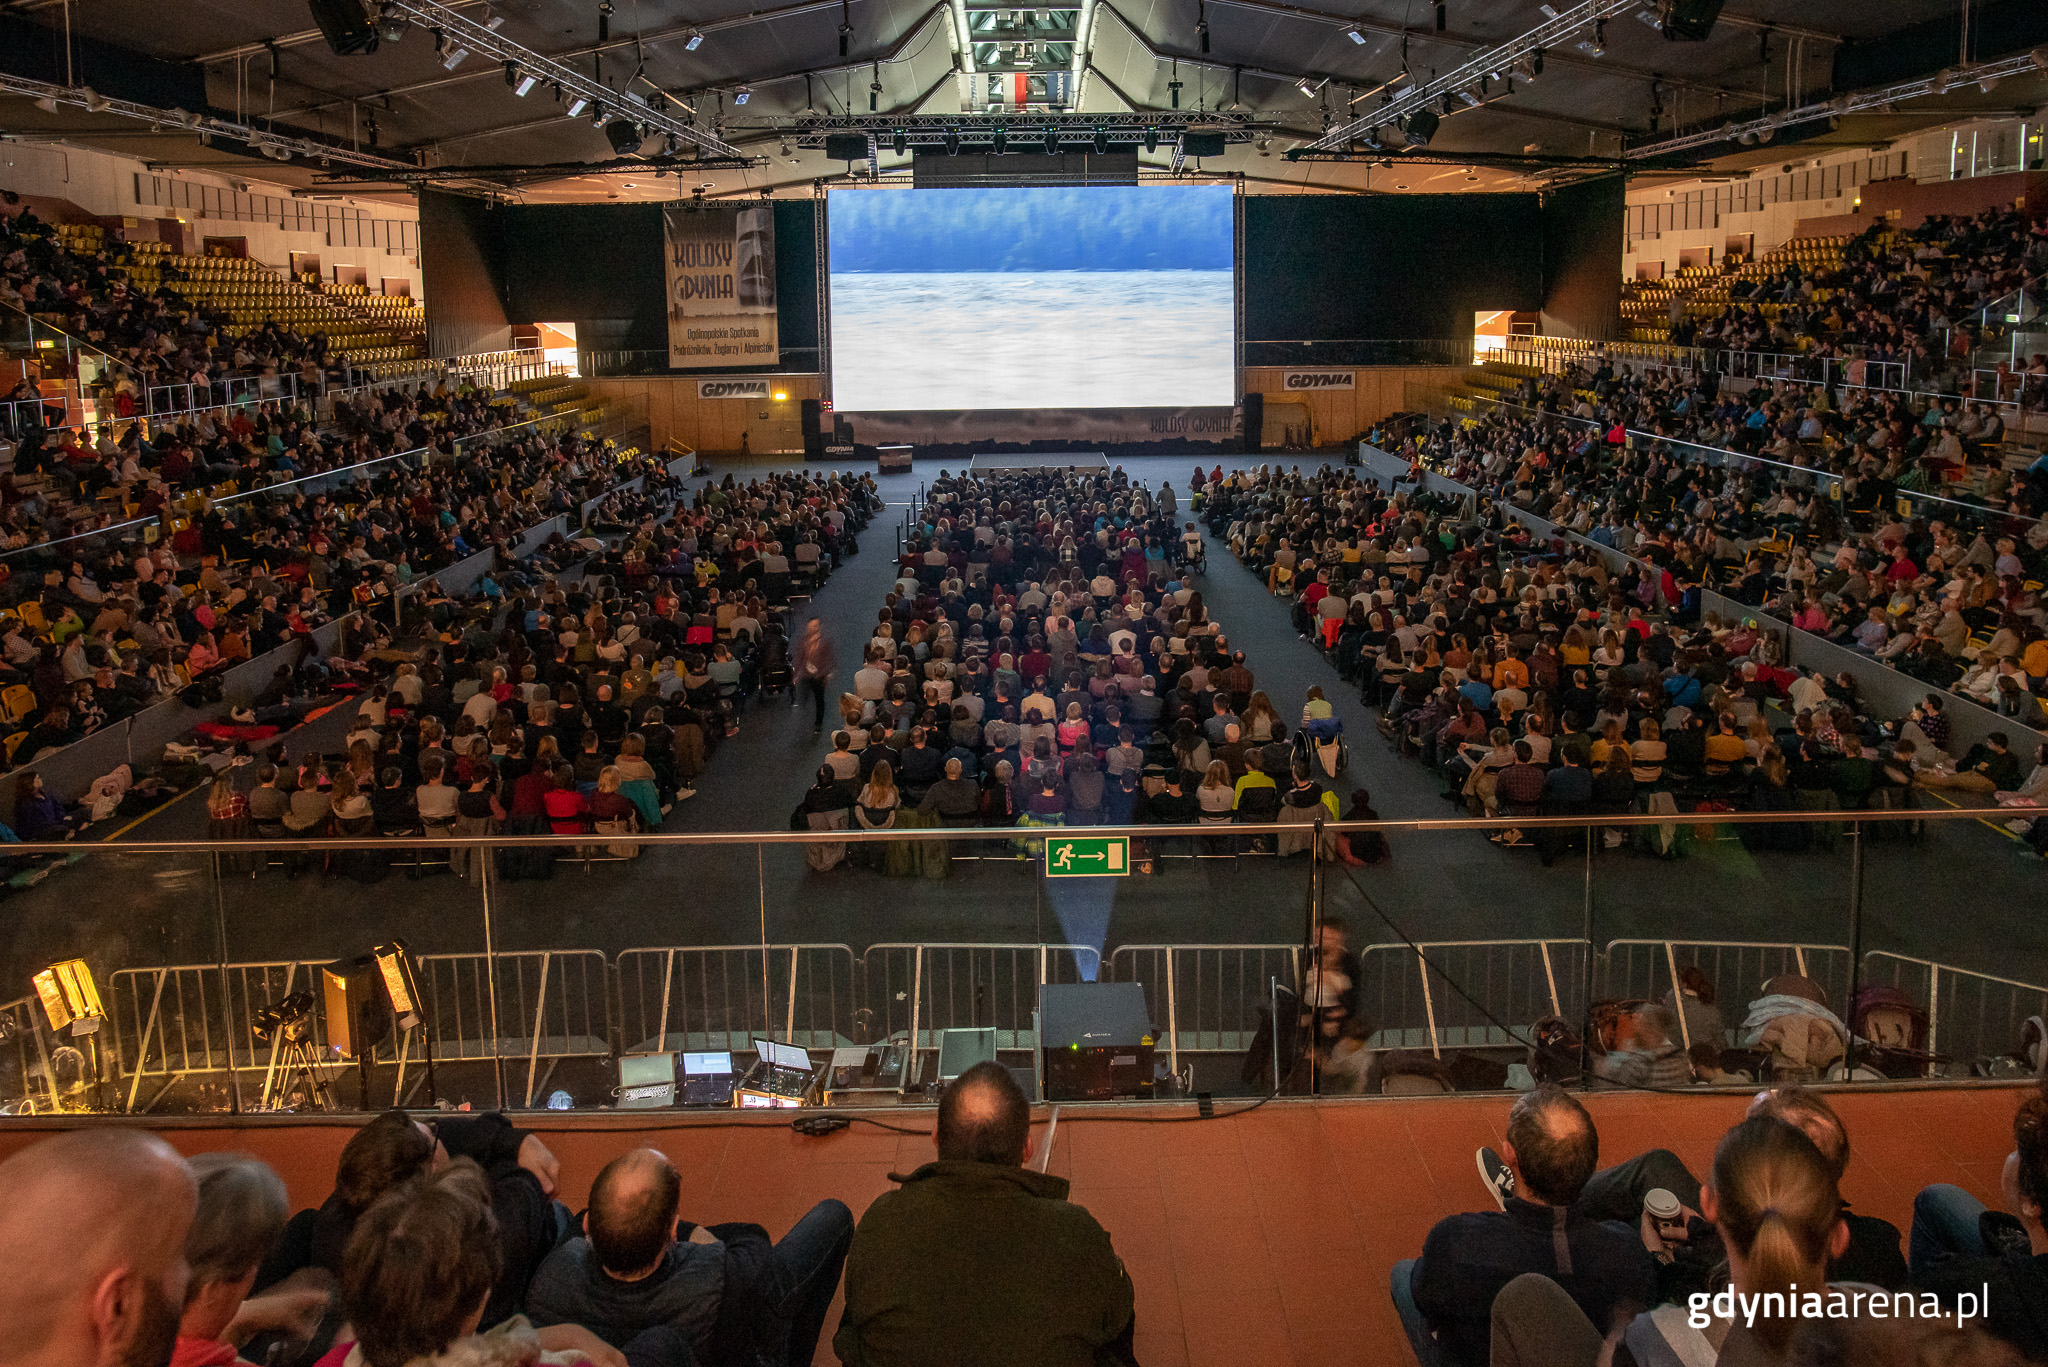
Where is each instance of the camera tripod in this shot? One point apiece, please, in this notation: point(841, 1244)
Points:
point(296, 1059)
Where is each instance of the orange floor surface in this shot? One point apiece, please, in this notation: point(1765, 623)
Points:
point(1260, 1239)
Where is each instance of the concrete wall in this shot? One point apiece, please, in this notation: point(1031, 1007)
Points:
point(105, 187)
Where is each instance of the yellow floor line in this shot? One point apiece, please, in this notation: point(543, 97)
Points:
point(161, 806)
point(1988, 825)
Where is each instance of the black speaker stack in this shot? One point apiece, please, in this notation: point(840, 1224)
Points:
point(346, 26)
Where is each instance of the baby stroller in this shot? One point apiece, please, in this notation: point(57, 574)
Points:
point(1320, 742)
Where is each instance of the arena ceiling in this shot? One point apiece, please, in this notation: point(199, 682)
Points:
point(766, 83)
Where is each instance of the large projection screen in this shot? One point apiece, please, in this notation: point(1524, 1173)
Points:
point(1015, 298)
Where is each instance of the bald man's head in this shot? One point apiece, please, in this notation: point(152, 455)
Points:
point(633, 1211)
point(984, 1118)
point(92, 1236)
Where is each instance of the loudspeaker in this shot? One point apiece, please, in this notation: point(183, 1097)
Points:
point(1254, 422)
point(346, 26)
point(1202, 144)
point(1095, 1041)
point(811, 414)
point(1690, 21)
point(1420, 128)
point(846, 146)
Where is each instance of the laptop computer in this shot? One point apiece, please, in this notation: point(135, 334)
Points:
point(647, 1080)
point(783, 1077)
point(707, 1079)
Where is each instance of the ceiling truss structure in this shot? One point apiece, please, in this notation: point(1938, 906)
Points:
point(1478, 73)
point(1023, 131)
point(1764, 127)
point(279, 146)
point(653, 113)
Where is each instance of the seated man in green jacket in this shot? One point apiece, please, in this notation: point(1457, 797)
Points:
point(977, 1259)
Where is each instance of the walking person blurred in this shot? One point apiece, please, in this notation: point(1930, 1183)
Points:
point(813, 670)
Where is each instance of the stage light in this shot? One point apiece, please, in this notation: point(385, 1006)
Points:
point(1440, 16)
point(46, 104)
point(391, 26)
point(693, 42)
point(900, 142)
point(1536, 62)
point(1309, 87)
point(1599, 37)
point(1355, 35)
point(742, 95)
point(1101, 141)
point(1052, 141)
point(522, 84)
point(597, 116)
point(1202, 34)
point(1001, 141)
point(1449, 106)
point(781, 396)
point(577, 106)
point(70, 998)
point(1151, 140)
point(625, 136)
point(952, 142)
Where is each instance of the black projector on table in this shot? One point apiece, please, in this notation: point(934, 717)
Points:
point(1095, 1041)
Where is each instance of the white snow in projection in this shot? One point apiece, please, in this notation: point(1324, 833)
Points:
point(1032, 339)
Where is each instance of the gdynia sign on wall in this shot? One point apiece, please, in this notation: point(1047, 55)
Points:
point(1318, 379)
point(720, 266)
point(732, 389)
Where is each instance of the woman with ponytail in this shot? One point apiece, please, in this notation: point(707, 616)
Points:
point(1773, 1200)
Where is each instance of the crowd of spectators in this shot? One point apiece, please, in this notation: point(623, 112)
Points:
point(99, 626)
point(1760, 1262)
point(444, 1244)
point(576, 703)
point(155, 334)
point(1916, 299)
point(1538, 682)
point(1042, 659)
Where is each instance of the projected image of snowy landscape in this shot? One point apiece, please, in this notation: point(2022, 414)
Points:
point(1086, 297)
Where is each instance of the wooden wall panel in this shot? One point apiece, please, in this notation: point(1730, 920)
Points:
point(1341, 414)
point(715, 426)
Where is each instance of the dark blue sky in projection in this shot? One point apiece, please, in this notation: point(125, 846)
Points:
point(1092, 228)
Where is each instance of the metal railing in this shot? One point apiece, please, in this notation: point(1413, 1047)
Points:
point(721, 997)
point(1968, 1014)
point(194, 1025)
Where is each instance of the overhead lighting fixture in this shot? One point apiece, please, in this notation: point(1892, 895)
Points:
point(742, 95)
point(47, 105)
point(522, 83)
point(1052, 141)
point(1151, 140)
point(577, 105)
point(694, 41)
point(1101, 142)
point(952, 140)
point(391, 26)
point(1001, 140)
point(625, 136)
point(900, 142)
point(1355, 34)
point(597, 116)
point(1309, 87)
